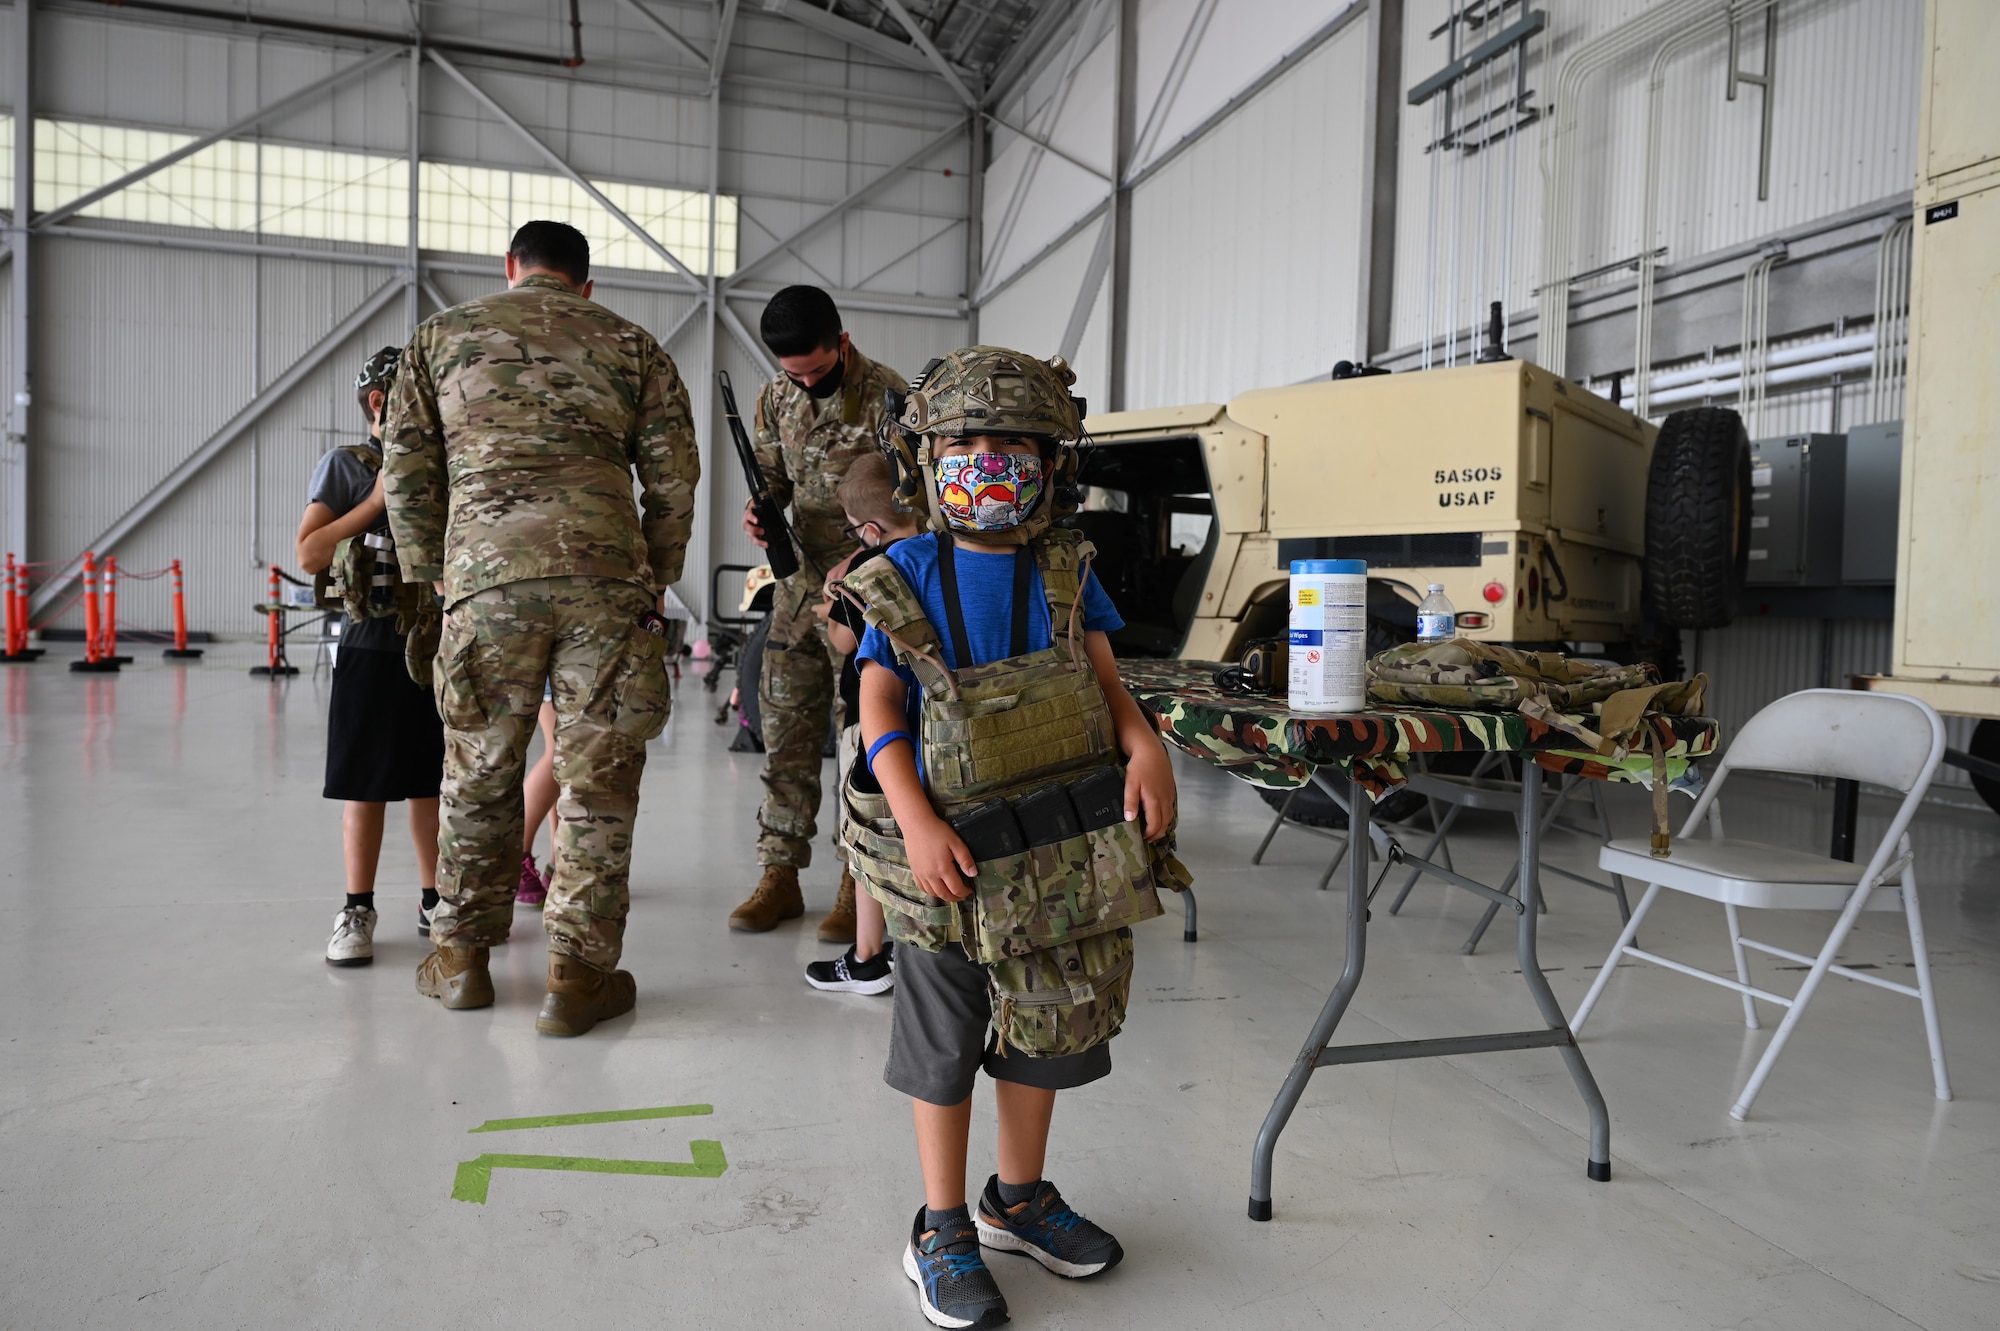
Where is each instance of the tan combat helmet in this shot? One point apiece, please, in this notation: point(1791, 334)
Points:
point(986, 390)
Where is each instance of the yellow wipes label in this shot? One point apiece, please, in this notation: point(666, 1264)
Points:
point(1308, 596)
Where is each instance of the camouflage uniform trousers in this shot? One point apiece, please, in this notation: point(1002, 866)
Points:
point(582, 635)
point(799, 693)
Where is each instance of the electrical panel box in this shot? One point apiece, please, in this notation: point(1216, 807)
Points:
point(1798, 488)
point(1874, 498)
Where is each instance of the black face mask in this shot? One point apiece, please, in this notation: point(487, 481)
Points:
point(829, 383)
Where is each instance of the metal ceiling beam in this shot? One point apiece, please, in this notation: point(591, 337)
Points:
point(853, 197)
point(725, 29)
point(1047, 147)
point(751, 346)
point(1086, 292)
point(1042, 30)
point(666, 30)
point(218, 443)
point(857, 35)
point(561, 164)
point(1088, 34)
point(15, 446)
point(284, 105)
point(931, 53)
point(1170, 86)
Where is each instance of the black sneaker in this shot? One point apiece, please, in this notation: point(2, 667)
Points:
point(844, 974)
point(1047, 1230)
point(954, 1288)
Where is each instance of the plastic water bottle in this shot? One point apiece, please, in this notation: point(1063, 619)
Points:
point(1436, 620)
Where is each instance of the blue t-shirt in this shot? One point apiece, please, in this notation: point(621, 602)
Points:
point(986, 595)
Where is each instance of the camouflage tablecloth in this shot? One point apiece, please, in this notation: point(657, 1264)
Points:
point(1266, 743)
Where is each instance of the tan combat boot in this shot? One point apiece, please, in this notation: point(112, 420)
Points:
point(776, 898)
point(458, 975)
point(838, 926)
point(580, 996)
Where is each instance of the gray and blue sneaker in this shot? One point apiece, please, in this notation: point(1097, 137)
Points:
point(954, 1288)
point(1046, 1229)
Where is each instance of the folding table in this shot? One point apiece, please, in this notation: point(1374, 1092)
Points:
point(1259, 738)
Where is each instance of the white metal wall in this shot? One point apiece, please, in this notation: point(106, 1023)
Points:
point(143, 352)
point(1245, 247)
point(1843, 135)
point(1251, 241)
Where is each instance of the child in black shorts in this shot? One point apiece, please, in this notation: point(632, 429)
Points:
point(384, 741)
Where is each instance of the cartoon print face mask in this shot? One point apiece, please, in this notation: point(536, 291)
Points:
point(988, 491)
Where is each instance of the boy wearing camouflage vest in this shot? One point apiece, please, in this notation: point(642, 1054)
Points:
point(1010, 811)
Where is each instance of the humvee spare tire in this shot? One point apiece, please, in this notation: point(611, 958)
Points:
point(1697, 519)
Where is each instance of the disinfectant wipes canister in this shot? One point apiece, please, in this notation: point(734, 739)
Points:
point(1329, 655)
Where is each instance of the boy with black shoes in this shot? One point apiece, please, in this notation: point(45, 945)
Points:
point(867, 498)
point(1037, 779)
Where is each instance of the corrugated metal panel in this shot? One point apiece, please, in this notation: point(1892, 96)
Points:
point(1242, 40)
point(1246, 248)
point(1756, 661)
point(1844, 131)
point(180, 336)
point(1032, 314)
point(1017, 227)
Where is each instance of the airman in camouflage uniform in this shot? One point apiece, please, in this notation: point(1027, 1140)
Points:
point(516, 428)
point(805, 441)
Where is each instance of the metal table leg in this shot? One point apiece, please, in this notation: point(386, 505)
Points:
point(1317, 1054)
point(1598, 1166)
point(1329, 1015)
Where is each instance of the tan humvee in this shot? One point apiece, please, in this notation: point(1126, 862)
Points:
point(1523, 494)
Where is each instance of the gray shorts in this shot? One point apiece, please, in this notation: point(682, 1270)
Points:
point(941, 1034)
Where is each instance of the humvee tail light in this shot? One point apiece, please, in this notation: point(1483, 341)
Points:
point(1474, 619)
point(1494, 592)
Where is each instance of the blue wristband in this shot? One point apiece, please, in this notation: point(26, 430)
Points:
point(886, 740)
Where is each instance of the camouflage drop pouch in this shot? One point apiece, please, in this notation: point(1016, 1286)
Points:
point(1063, 1000)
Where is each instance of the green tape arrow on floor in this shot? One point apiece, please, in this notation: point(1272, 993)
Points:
point(605, 1116)
point(474, 1176)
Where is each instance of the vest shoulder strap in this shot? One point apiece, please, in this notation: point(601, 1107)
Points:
point(1061, 554)
point(890, 604)
point(370, 458)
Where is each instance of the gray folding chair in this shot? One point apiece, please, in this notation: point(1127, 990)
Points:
point(1887, 739)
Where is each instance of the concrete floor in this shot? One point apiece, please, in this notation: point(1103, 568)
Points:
point(202, 1125)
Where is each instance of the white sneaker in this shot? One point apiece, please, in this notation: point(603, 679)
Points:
point(353, 941)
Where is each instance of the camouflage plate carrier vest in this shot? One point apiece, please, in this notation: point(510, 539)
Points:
point(365, 581)
point(1053, 923)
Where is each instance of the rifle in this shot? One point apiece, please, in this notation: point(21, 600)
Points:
point(770, 516)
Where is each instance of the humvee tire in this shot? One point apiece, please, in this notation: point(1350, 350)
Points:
point(1985, 744)
point(1697, 519)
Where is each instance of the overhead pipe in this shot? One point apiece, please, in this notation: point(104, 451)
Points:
point(1558, 160)
point(1823, 368)
point(1649, 256)
point(1792, 355)
point(1891, 333)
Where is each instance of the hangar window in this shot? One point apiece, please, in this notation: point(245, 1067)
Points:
point(281, 190)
